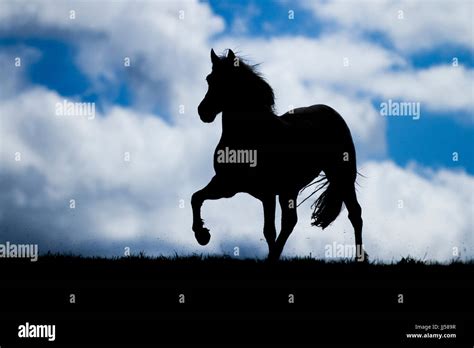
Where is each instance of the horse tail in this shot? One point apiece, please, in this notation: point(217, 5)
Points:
point(339, 167)
point(336, 181)
point(327, 206)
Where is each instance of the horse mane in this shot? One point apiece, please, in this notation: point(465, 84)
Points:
point(256, 88)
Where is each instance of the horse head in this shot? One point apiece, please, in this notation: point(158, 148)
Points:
point(218, 85)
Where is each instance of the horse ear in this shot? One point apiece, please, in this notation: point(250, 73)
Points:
point(230, 55)
point(214, 58)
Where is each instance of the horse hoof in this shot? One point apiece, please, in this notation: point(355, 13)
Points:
point(202, 236)
point(272, 258)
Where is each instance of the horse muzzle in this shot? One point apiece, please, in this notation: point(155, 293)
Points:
point(206, 115)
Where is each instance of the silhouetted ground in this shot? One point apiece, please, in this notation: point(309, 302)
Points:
point(221, 283)
point(57, 267)
point(138, 297)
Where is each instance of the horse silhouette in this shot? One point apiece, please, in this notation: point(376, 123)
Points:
point(266, 155)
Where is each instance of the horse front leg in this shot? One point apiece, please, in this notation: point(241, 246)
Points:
point(215, 189)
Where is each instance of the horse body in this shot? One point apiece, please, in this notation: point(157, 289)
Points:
point(266, 156)
point(291, 149)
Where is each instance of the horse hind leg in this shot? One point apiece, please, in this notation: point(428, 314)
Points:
point(289, 218)
point(269, 230)
point(355, 217)
point(342, 179)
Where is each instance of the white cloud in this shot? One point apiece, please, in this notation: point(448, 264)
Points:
point(81, 159)
point(439, 88)
point(421, 25)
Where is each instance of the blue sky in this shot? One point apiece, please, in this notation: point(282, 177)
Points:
point(81, 59)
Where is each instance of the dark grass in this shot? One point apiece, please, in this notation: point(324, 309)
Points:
point(213, 260)
point(199, 267)
point(210, 259)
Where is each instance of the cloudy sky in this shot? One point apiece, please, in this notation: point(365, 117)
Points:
point(417, 189)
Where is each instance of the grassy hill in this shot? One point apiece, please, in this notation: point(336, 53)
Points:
point(304, 300)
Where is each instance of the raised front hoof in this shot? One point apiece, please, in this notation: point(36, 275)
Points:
point(202, 235)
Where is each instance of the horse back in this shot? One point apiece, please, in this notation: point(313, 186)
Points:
point(318, 114)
